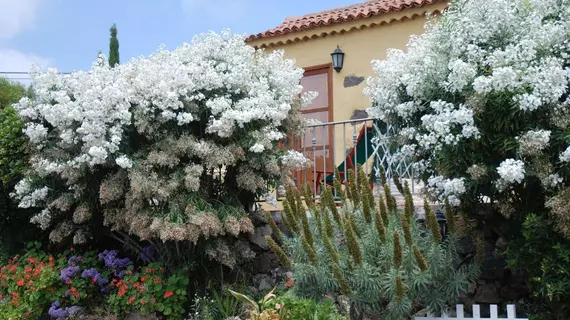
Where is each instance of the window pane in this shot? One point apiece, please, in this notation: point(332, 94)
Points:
point(321, 133)
point(317, 83)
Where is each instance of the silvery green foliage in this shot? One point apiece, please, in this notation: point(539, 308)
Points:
point(373, 283)
point(482, 98)
point(174, 146)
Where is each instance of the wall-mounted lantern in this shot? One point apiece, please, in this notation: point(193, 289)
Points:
point(337, 59)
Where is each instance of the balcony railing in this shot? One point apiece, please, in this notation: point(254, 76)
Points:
point(343, 145)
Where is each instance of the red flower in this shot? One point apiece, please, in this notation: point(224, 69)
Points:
point(289, 283)
point(136, 284)
point(122, 290)
point(71, 249)
point(143, 301)
point(143, 279)
point(131, 300)
point(20, 283)
point(4, 276)
point(153, 300)
point(31, 260)
point(27, 270)
point(120, 283)
point(168, 294)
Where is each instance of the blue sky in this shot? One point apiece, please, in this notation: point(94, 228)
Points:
point(67, 34)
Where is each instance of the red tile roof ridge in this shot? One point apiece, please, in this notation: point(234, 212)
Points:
point(357, 11)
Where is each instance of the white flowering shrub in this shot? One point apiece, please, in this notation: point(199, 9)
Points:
point(176, 146)
point(482, 100)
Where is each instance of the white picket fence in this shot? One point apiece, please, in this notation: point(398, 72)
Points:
point(460, 314)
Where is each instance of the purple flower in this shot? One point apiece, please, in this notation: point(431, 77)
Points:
point(61, 313)
point(56, 312)
point(74, 260)
point(89, 273)
point(147, 254)
point(66, 274)
point(117, 265)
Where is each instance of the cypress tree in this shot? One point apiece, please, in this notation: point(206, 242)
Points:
point(113, 47)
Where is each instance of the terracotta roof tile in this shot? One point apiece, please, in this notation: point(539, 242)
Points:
point(328, 17)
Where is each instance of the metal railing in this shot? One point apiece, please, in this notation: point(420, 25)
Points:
point(344, 145)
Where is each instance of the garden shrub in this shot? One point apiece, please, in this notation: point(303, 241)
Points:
point(71, 284)
point(15, 228)
point(175, 147)
point(481, 105)
point(386, 263)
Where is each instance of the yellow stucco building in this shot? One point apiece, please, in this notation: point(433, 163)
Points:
point(364, 32)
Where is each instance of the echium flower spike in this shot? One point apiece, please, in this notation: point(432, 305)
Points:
point(307, 229)
point(397, 255)
point(308, 194)
point(338, 185)
point(450, 217)
point(380, 226)
point(328, 223)
point(333, 254)
point(397, 183)
point(400, 289)
point(366, 209)
point(409, 202)
point(382, 175)
point(365, 193)
point(383, 210)
point(361, 179)
point(390, 201)
point(407, 230)
point(332, 206)
point(355, 228)
point(354, 193)
point(290, 218)
point(301, 210)
point(344, 287)
point(309, 250)
point(420, 258)
point(281, 256)
point(352, 244)
point(273, 225)
point(317, 216)
point(431, 220)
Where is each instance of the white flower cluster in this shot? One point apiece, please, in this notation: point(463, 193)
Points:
point(91, 110)
point(474, 75)
point(27, 196)
point(551, 180)
point(565, 156)
point(534, 141)
point(510, 171)
point(449, 189)
point(295, 160)
point(162, 123)
point(447, 126)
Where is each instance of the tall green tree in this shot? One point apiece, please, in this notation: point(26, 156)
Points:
point(113, 47)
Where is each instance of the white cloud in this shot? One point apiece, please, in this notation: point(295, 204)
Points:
point(16, 16)
point(220, 9)
point(13, 60)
